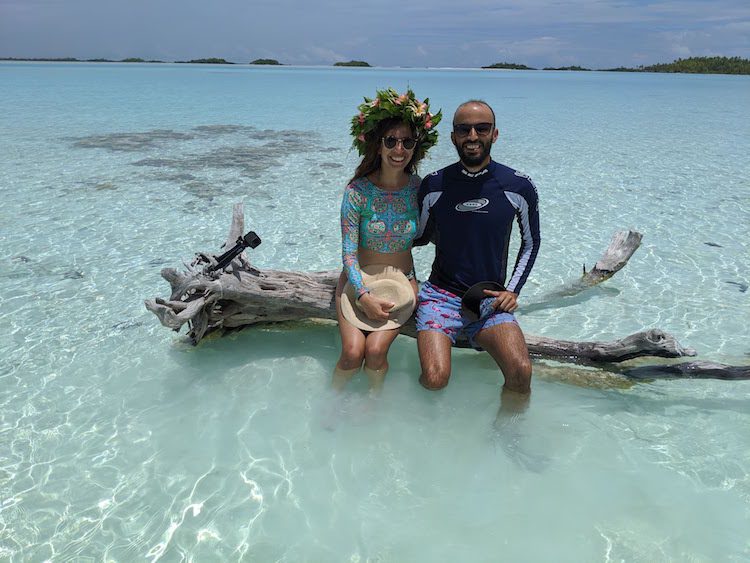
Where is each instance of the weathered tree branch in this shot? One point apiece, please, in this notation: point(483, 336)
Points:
point(690, 370)
point(620, 249)
point(242, 295)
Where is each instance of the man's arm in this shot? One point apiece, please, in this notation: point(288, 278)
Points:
point(526, 203)
point(426, 198)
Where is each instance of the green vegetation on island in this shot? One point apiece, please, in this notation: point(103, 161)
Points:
point(265, 62)
point(692, 65)
point(74, 60)
point(352, 63)
point(139, 60)
point(704, 65)
point(565, 68)
point(210, 61)
point(621, 69)
point(509, 66)
point(42, 59)
point(696, 65)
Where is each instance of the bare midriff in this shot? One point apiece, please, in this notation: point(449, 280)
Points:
point(401, 260)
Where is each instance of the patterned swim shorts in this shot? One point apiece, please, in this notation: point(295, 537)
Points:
point(440, 311)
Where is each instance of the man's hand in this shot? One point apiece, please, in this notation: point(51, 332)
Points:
point(375, 308)
point(505, 301)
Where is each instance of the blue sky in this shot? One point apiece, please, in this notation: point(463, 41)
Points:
point(466, 33)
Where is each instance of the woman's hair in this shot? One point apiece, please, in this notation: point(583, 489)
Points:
point(371, 159)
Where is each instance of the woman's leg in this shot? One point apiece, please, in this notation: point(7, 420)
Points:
point(352, 344)
point(377, 345)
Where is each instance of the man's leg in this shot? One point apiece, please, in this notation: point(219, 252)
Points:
point(435, 358)
point(507, 346)
point(438, 321)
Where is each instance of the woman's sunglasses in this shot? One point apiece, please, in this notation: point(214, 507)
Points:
point(390, 142)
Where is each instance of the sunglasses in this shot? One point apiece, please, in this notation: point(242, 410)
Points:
point(464, 129)
point(390, 142)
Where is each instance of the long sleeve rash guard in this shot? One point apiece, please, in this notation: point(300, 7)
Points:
point(469, 217)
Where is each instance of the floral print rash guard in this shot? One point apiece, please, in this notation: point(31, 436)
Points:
point(376, 219)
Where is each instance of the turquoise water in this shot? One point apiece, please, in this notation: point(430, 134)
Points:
point(119, 441)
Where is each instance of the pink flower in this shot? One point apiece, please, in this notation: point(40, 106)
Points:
point(361, 137)
point(428, 125)
point(401, 99)
point(375, 103)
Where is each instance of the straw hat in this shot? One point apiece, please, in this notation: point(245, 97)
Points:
point(385, 282)
point(472, 299)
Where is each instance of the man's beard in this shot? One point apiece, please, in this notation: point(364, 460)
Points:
point(478, 158)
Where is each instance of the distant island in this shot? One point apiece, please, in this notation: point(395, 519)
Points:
point(704, 65)
point(692, 65)
point(74, 60)
point(509, 66)
point(565, 68)
point(621, 69)
point(695, 65)
point(265, 62)
point(210, 61)
point(352, 63)
point(138, 60)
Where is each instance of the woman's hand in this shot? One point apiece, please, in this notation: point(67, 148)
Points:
point(375, 308)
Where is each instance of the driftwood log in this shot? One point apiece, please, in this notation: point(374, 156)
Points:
point(619, 251)
point(242, 295)
point(689, 370)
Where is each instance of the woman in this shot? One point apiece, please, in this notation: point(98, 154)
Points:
point(392, 132)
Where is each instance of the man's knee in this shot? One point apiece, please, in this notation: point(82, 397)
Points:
point(518, 375)
point(435, 359)
point(521, 366)
point(434, 378)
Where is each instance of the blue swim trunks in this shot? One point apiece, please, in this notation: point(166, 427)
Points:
point(440, 311)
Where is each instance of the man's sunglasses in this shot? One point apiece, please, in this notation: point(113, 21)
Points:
point(390, 142)
point(464, 129)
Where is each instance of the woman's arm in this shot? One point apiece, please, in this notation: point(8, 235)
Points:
point(351, 211)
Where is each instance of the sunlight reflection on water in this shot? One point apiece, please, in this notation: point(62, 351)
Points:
point(120, 441)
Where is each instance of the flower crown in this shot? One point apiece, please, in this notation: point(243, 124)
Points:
point(406, 107)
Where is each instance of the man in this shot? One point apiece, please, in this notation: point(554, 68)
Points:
point(468, 209)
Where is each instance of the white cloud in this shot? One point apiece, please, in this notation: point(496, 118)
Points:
point(314, 54)
point(522, 51)
point(720, 40)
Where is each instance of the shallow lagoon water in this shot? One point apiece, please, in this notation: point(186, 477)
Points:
point(119, 441)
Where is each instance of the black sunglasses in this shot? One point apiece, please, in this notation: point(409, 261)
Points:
point(464, 129)
point(390, 142)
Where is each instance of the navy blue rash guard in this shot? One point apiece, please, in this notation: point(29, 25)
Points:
point(469, 216)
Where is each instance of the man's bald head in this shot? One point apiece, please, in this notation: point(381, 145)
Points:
point(471, 103)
